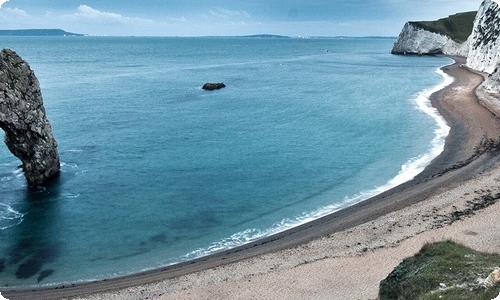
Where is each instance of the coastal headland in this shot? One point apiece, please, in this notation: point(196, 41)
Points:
point(346, 254)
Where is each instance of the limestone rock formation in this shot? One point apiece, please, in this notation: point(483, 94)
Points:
point(481, 48)
point(416, 40)
point(444, 36)
point(484, 52)
point(28, 133)
point(492, 82)
point(213, 86)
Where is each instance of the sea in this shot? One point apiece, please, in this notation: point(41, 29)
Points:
point(156, 171)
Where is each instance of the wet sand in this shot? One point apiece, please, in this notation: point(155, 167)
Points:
point(346, 254)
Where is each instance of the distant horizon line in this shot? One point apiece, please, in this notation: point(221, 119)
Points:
point(63, 33)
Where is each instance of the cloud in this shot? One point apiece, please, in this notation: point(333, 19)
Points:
point(14, 16)
point(86, 11)
point(14, 12)
point(89, 14)
point(2, 2)
point(89, 20)
point(223, 13)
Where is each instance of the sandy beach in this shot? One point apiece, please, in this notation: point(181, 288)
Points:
point(345, 255)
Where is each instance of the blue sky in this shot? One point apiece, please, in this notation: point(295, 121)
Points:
point(227, 17)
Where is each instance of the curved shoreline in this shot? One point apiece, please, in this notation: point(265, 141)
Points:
point(461, 160)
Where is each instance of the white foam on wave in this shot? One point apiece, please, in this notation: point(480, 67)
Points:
point(71, 168)
point(71, 195)
point(408, 171)
point(18, 172)
point(9, 217)
point(5, 178)
point(69, 165)
point(15, 173)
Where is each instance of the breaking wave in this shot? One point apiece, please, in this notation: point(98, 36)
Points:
point(9, 217)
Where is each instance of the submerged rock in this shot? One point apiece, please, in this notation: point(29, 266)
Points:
point(44, 274)
point(213, 86)
point(28, 133)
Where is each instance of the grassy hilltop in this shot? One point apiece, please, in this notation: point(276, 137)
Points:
point(458, 27)
point(443, 270)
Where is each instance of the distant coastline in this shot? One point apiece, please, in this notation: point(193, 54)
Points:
point(269, 36)
point(37, 32)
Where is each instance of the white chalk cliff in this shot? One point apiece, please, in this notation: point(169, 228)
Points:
point(484, 53)
point(482, 48)
point(484, 44)
point(414, 39)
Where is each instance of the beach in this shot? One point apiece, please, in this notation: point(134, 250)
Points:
point(346, 254)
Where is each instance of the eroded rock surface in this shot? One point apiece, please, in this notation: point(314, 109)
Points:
point(28, 133)
point(416, 40)
point(484, 53)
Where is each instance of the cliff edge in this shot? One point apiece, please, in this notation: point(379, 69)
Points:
point(28, 133)
point(444, 36)
point(474, 35)
point(484, 45)
point(484, 53)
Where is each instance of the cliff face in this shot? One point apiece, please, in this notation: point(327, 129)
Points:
point(484, 53)
point(492, 84)
point(482, 47)
point(414, 39)
point(28, 133)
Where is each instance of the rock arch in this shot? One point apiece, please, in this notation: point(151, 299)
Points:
point(28, 133)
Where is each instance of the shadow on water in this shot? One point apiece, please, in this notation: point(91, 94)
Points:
point(35, 241)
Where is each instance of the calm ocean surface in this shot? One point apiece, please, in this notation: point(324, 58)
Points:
point(156, 171)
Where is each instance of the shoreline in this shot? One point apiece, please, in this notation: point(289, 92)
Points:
point(465, 156)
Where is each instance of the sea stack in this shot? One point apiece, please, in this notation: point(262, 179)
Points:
point(28, 133)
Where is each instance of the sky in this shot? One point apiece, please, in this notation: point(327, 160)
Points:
point(226, 17)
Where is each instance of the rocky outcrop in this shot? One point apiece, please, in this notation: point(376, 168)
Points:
point(28, 133)
point(213, 86)
point(492, 82)
point(484, 53)
point(414, 39)
point(481, 48)
point(444, 36)
point(493, 278)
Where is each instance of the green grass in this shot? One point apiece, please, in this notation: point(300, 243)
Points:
point(458, 27)
point(438, 265)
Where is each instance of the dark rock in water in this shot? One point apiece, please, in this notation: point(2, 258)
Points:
point(213, 86)
point(28, 133)
point(34, 265)
point(44, 274)
point(20, 251)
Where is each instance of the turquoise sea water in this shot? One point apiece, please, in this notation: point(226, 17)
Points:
point(156, 171)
